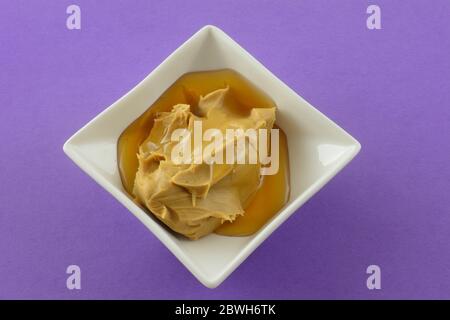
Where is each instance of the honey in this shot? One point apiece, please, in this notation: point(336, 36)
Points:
point(273, 192)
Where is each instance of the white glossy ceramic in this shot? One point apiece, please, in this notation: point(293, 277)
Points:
point(318, 148)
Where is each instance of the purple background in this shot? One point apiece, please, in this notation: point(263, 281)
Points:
point(389, 88)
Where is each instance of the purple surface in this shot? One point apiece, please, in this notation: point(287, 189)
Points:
point(389, 88)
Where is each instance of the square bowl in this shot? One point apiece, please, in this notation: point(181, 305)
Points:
point(318, 148)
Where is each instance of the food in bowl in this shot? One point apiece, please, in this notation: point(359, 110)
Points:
point(175, 159)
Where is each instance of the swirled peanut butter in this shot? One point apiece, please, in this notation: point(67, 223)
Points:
point(194, 197)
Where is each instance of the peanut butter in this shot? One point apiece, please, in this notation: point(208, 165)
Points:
point(193, 199)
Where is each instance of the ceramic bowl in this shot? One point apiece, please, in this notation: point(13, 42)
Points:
point(318, 148)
